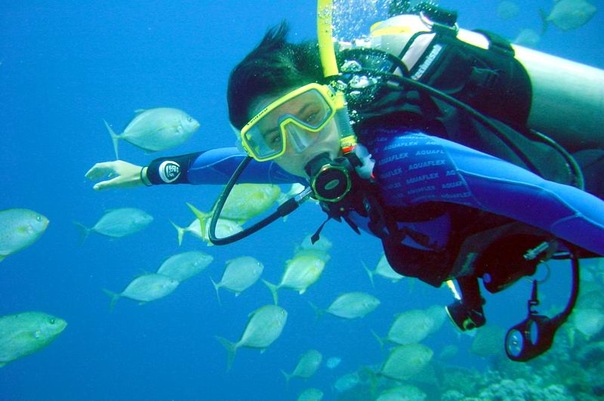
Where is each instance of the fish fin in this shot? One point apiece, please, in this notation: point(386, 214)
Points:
point(84, 231)
point(231, 350)
point(274, 288)
point(217, 288)
point(203, 219)
point(3, 364)
point(2, 257)
point(180, 232)
point(369, 273)
point(380, 339)
point(114, 137)
point(114, 298)
point(139, 111)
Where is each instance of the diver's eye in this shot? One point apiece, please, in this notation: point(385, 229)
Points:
point(275, 141)
point(312, 119)
point(313, 116)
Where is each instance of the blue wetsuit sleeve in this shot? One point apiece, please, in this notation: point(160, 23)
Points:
point(417, 168)
point(214, 166)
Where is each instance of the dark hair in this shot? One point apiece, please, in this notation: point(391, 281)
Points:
point(272, 67)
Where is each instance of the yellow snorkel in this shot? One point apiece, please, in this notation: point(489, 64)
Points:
point(348, 139)
point(325, 38)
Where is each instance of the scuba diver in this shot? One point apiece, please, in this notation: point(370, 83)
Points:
point(424, 140)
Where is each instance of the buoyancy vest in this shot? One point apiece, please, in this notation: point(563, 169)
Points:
point(497, 90)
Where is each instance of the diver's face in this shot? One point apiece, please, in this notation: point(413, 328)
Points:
point(302, 145)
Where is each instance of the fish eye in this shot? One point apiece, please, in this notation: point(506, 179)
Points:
point(52, 320)
point(38, 218)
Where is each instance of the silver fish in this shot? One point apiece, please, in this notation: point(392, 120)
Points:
point(347, 382)
point(507, 9)
point(118, 223)
point(183, 266)
point(569, 14)
point(488, 341)
point(24, 333)
point(353, 305)
point(307, 365)
point(527, 38)
point(302, 271)
point(384, 270)
point(247, 201)
point(333, 362)
point(19, 228)
point(156, 129)
point(406, 361)
point(401, 393)
point(311, 394)
point(588, 321)
point(323, 244)
point(239, 274)
point(263, 328)
point(411, 326)
point(145, 288)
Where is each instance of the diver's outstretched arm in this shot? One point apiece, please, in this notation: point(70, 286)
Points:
point(214, 166)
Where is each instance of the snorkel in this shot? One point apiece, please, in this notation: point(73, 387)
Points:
point(323, 163)
point(331, 180)
point(348, 139)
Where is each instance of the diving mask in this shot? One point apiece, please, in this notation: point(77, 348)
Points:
point(295, 120)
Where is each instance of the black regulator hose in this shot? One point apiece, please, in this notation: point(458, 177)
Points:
point(283, 210)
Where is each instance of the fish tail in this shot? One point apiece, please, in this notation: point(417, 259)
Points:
point(369, 273)
point(318, 311)
point(274, 288)
point(377, 337)
point(180, 232)
point(203, 219)
point(114, 298)
point(373, 378)
point(287, 377)
point(217, 288)
point(84, 231)
point(231, 350)
point(114, 137)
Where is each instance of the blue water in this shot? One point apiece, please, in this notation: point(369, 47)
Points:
point(66, 66)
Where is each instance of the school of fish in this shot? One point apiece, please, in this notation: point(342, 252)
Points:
point(157, 129)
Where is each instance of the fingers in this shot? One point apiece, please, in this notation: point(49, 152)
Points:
point(115, 174)
point(100, 170)
point(99, 186)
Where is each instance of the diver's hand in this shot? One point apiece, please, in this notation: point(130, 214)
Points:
point(116, 174)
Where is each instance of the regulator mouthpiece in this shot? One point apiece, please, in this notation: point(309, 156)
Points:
point(330, 179)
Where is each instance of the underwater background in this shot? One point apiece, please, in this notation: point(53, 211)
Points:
point(67, 65)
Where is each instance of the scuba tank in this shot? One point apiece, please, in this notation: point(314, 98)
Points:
point(565, 99)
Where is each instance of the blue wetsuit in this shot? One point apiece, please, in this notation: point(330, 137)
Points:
point(413, 168)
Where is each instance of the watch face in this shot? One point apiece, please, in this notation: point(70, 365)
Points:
point(514, 343)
